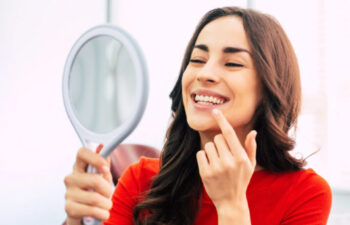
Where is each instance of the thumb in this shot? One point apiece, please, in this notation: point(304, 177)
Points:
point(250, 146)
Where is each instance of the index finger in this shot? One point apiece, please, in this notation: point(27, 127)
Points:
point(85, 157)
point(227, 131)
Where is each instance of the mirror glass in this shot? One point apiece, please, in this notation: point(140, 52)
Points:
point(102, 84)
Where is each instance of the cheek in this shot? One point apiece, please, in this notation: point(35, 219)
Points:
point(246, 92)
point(185, 82)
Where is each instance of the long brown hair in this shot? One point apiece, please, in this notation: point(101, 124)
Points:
point(174, 197)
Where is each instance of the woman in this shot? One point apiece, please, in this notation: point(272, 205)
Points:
point(225, 160)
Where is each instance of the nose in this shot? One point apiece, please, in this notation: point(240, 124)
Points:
point(208, 73)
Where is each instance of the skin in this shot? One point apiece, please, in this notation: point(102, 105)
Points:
point(227, 159)
point(232, 75)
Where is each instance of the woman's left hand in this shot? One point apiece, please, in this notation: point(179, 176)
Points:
point(226, 167)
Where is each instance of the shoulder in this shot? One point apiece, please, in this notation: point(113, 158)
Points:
point(298, 197)
point(310, 194)
point(304, 183)
point(315, 180)
point(303, 179)
point(308, 181)
point(289, 198)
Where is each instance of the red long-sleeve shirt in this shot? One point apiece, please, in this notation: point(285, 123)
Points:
point(290, 198)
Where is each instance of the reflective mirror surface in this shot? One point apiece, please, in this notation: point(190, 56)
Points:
point(102, 84)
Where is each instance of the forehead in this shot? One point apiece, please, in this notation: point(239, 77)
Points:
point(224, 31)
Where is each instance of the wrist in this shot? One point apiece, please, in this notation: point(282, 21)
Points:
point(233, 213)
point(237, 204)
point(237, 208)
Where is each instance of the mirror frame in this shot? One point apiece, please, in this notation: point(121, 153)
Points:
point(111, 139)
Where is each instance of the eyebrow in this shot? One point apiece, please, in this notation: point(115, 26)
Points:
point(225, 50)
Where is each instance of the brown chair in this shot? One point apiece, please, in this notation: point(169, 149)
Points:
point(125, 155)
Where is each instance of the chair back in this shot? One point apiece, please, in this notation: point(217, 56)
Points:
point(126, 154)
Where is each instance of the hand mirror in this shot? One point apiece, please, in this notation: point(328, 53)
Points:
point(105, 88)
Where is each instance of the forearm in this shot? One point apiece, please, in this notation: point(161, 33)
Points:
point(234, 214)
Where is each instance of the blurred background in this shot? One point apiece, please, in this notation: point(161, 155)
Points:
point(38, 143)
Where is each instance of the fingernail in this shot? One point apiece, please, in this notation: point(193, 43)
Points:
point(105, 169)
point(216, 112)
point(99, 148)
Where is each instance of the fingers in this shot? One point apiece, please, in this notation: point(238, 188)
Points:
point(88, 198)
point(78, 210)
point(250, 146)
point(233, 142)
point(221, 145)
point(211, 153)
point(228, 132)
point(85, 157)
point(88, 181)
point(202, 162)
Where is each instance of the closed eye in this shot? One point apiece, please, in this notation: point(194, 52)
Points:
point(197, 61)
point(233, 65)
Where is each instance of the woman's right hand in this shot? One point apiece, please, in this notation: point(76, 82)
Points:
point(80, 200)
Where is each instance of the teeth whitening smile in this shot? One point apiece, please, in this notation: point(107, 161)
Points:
point(208, 100)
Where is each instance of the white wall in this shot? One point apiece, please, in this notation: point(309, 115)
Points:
point(38, 143)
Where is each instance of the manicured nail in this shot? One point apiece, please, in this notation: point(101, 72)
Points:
point(216, 112)
point(105, 169)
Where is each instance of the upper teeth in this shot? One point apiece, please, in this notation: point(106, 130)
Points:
point(204, 98)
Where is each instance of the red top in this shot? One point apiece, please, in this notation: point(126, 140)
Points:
point(293, 198)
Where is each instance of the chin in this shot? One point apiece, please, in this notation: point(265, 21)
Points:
point(201, 125)
point(210, 125)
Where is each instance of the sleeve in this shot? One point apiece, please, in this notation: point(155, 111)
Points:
point(125, 196)
point(311, 203)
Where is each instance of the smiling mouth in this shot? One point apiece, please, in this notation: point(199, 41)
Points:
point(208, 100)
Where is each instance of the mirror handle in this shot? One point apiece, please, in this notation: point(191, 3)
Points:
point(87, 220)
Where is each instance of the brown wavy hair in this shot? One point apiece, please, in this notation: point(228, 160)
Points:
point(175, 195)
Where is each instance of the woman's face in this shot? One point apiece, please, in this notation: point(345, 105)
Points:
point(221, 75)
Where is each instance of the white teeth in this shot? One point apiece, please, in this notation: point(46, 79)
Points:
point(206, 100)
point(205, 103)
